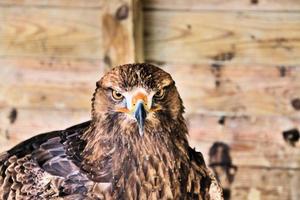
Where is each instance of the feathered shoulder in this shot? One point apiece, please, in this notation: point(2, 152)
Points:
point(39, 165)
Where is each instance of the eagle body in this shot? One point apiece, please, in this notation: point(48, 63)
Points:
point(134, 147)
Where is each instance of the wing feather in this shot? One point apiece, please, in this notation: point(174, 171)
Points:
point(43, 167)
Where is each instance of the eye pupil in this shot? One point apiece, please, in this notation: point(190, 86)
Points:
point(160, 94)
point(117, 95)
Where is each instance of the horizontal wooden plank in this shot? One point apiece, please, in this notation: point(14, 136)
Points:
point(253, 141)
point(50, 32)
point(48, 83)
point(238, 90)
point(270, 5)
point(265, 184)
point(54, 3)
point(271, 38)
point(29, 122)
point(228, 89)
point(46, 96)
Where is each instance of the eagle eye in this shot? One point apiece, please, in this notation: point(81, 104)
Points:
point(159, 94)
point(116, 95)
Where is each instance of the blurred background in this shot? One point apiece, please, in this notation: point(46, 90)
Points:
point(235, 63)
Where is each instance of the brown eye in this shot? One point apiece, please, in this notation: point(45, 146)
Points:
point(116, 95)
point(159, 94)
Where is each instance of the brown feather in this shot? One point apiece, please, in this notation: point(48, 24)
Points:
point(107, 158)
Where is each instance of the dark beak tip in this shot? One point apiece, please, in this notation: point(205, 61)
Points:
point(140, 115)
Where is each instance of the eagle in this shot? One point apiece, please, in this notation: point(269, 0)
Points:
point(134, 147)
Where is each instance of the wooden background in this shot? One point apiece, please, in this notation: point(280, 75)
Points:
point(235, 62)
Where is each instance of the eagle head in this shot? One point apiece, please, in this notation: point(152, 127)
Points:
point(136, 96)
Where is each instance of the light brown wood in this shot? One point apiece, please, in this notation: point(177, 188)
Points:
point(237, 90)
point(30, 122)
point(50, 32)
point(265, 184)
point(49, 56)
point(229, 89)
point(138, 30)
point(230, 5)
point(48, 83)
point(254, 141)
point(105, 32)
point(66, 4)
point(271, 38)
point(122, 41)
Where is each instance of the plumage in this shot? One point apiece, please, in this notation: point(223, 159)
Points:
point(134, 147)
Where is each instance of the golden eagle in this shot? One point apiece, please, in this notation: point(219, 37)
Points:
point(134, 147)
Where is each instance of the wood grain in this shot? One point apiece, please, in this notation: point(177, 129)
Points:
point(138, 30)
point(30, 122)
point(65, 4)
point(254, 141)
point(230, 5)
point(228, 89)
point(270, 38)
point(48, 83)
point(53, 32)
point(265, 184)
point(238, 90)
point(122, 41)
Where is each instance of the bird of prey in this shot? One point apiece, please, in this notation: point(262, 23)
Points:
point(134, 147)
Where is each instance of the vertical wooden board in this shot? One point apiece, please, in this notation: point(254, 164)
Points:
point(230, 5)
point(120, 44)
point(233, 37)
point(29, 122)
point(138, 30)
point(254, 141)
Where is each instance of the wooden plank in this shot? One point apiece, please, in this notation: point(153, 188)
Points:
point(94, 4)
point(265, 184)
point(238, 90)
point(227, 90)
point(50, 56)
point(138, 30)
point(271, 38)
point(106, 32)
point(122, 38)
point(269, 5)
point(29, 122)
point(37, 32)
point(48, 83)
point(253, 141)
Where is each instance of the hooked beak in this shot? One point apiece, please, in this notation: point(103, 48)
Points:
point(140, 115)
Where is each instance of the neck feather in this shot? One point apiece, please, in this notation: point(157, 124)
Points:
point(110, 144)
